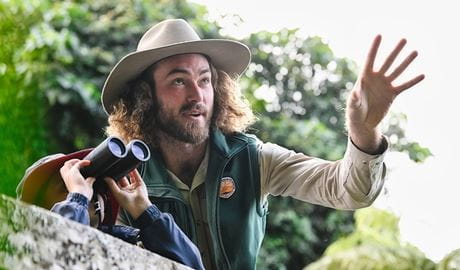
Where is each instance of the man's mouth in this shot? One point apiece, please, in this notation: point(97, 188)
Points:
point(193, 113)
point(194, 110)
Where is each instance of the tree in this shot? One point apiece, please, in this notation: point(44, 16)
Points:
point(55, 64)
point(60, 59)
point(22, 133)
point(450, 262)
point(299, 90)
point(374, 245)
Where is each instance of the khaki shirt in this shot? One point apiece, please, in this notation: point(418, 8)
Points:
point(196, 198)
point(350, 183)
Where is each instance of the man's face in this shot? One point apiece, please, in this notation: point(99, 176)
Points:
point(185, 97)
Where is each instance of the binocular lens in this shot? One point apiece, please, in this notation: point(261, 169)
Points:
point(140, 151)
point(112, 158)
point(116, 148)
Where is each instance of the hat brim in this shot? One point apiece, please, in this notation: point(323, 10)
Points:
point(42, 184)
point(230, 56)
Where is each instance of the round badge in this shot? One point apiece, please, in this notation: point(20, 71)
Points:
point(227, 187)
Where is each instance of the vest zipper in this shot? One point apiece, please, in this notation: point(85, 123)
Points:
point(221, 172)
point(221, 243)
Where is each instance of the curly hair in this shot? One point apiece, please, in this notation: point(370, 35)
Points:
point(133, 116)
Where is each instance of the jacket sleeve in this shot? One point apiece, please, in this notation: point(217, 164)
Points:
point(160, 234)
point(74, 207)
point(158, 231)
point(350, 183)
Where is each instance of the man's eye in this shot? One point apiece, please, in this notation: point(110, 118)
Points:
point(178, 81)
point(206, 80)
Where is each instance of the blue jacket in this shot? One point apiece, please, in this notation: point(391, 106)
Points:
point(156, 230)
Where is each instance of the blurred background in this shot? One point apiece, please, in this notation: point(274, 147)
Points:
point(55, 56)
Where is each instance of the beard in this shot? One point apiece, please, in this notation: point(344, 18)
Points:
point(191, 131)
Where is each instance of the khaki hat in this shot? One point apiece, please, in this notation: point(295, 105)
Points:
point(168, 38)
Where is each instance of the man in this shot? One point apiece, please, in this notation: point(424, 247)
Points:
point(179, 94)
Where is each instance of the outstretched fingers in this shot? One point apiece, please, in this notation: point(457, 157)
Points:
point(409, 83)
point(400, 69)
point(370, 60)
point(391, 58)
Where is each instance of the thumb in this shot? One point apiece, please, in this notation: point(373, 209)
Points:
point(354, 101)
point(91, 180)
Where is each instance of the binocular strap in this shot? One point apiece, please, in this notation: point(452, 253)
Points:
point(99, 206)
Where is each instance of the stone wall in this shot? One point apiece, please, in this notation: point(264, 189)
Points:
point(34, 238)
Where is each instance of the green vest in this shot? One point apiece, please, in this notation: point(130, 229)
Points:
point(237, 223)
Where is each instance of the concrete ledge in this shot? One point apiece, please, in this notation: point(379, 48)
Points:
point(34, 238)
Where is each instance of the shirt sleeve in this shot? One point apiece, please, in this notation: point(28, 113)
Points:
point(350, 183)
point(160, 234)
point(74, 207)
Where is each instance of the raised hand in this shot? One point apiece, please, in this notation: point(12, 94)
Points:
point(373, 94)
point(132, 196)
point(74, 181)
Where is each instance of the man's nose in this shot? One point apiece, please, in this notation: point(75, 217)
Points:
point(194, 93)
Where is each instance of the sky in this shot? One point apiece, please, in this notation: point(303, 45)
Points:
point(425, 196)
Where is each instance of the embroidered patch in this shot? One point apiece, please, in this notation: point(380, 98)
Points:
point(227, 187)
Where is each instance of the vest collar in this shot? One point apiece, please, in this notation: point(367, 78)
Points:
point(227, 146)
point(220, 145)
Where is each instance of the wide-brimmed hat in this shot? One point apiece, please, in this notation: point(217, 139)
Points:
point(168, 38)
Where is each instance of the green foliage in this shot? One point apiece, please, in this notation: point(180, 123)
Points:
point(374, 245)
point(374, 257)
point(294, 80)
point(55, 56)
point(298, 233)
point(450, 262)
point(291, 133)
point(372, 226)
point(394, 130)
point(22, 137)
point(298, 89)
point(299, 78)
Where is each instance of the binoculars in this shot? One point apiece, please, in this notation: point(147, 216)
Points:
point(114, 159)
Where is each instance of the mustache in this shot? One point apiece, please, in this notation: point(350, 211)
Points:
point(193, 106)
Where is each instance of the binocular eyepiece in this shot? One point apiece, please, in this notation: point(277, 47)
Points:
point(114, 159)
